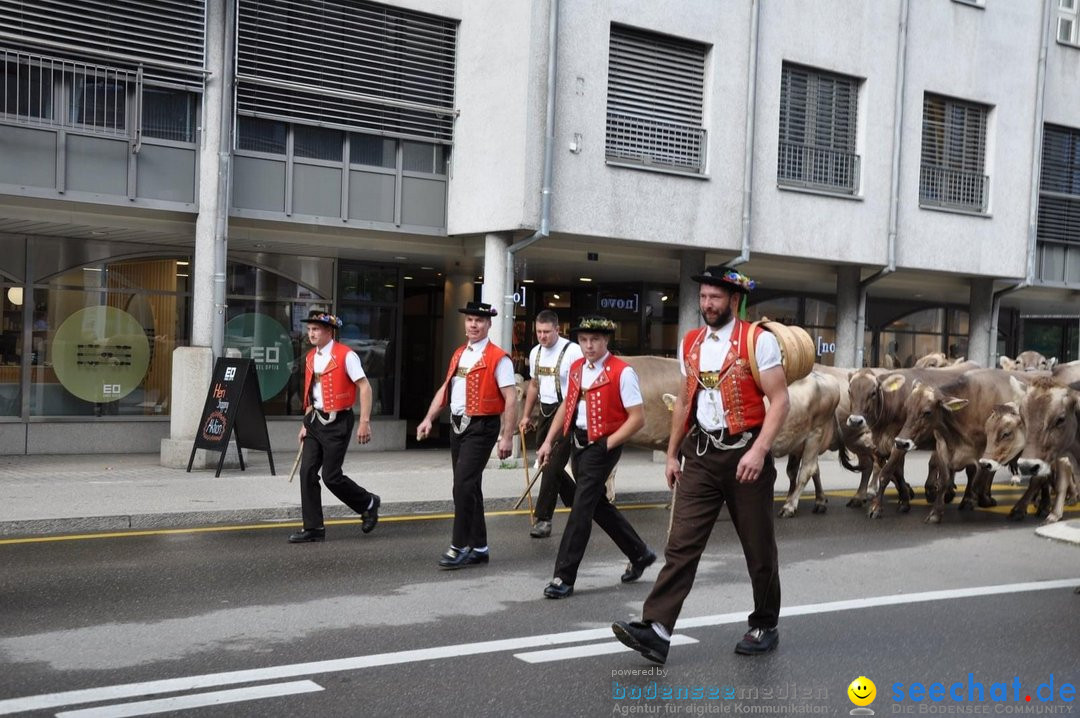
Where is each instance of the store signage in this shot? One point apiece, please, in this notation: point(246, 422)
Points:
point(267, 343)
point(519, 296)
point(100, 354)
point(233, 407)
point(626, 302)
point(824, 347)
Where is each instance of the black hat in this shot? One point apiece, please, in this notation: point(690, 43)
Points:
point(324, 318)
point(594, 323)
point(479, 309)
point(720, 276)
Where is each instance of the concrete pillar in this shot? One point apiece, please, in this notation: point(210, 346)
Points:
point(981, 322)
point(495, 291)
point(849, 332)
point(691, 262)
point(457, 292)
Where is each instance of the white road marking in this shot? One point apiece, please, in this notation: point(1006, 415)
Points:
point(591, 649)
point(190, 683)
point(196, 700)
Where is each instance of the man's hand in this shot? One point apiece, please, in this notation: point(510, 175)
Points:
point(506, 446)
point(750, 465)
point(673, 471)
point(543, 454)
point(363, 431)
point(525, 426)
point(423, 431)
point(303, 433)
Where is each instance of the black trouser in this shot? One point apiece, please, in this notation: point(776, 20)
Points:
point(469, 452)
point(555, 482)
point(324, 448)
point(592, 466)
point(707, 482)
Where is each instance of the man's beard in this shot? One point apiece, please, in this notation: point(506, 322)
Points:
point(721, 319)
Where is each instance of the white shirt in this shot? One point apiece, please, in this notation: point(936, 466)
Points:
point(353, 367)
point(548, 357)
point(629, 388)
point(504, 374)
point(710, 403)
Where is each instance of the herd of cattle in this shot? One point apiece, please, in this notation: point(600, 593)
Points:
point(1024, 416)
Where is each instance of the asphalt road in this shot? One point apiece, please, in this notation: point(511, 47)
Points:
point(367, 625)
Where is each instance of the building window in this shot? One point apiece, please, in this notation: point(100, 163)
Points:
point(168, 114)
point(27, 89)
point(1068, 22)
point(1058, 229)
point(99, 100)
point(953, 155)
point(372, 151)
point(317, 143)
point(260, 135)
point(818, 114)
point(656, 88)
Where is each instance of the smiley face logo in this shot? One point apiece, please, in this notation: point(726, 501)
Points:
point(862, 691)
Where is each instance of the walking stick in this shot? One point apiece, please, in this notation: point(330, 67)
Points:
point(296, 464)
point(528, 484)
point(528, 489)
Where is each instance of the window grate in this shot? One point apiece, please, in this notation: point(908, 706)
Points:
point(953, 155)
point(818, 116)
point(352, 65)
point(655, 100)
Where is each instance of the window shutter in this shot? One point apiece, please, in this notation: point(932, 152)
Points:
point(1059, 198)
point(347, 64)
point(656, 87)
point(953, 154)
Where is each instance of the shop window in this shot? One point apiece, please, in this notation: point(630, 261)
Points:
point(784, 310)
point(819, 320)
point(168, 114)
point(368, 307)
point(11, 344)
point(372, 151)
point(904, 340)
point(259, 135)
point(102, 338)
point(317, 143)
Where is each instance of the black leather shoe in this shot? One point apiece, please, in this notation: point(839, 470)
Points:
point(758, 640)
point(541, 529)
point(308, 536)
point(476, 558)
point(634, 569)
point(558, 589)
point(640, 636)
point(371, 516)
point(454, 558)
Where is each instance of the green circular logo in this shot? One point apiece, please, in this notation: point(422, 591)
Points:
point(100, 354)
point(264, 341)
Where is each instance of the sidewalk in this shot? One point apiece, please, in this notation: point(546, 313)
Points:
point(107, 492)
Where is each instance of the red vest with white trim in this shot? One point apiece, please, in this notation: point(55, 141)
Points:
point(483, 397)
point(744, 402)
point(338, 390)
point(604, 409)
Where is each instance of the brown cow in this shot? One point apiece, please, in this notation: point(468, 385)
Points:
point(1067, 373)
point(937, 360)
point(1027, 361)
point(1051, 414)
point(855, 439)
point(954, 417)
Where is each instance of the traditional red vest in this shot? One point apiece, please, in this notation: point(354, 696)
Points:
point(338, 390)
point(483, 397)
point(603, 401)
point(744, 402)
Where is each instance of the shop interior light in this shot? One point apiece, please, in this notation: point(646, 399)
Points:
point(15, 296)
point(556, 296)
point(551, 304)
point(406, 277)
point(430, 269)
point(180, 275)
point(585, 279)
point(180, 263)
point(528, 281)
point(664, 298)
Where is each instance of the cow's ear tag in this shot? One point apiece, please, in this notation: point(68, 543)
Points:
point(954, 404)
point(893, 382)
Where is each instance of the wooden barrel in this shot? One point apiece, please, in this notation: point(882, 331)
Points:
point(797, 350)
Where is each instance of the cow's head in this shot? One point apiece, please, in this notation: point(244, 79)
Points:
point(925, 409)
point(1027, 361)
point(865, 396)
point(1049, 411)
point(934, 359)
point(1005, 436)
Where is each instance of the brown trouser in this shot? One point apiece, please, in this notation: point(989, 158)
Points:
point(707, 482)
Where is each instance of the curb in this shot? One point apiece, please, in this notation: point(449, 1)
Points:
point(1065, 531)
point(200, 519)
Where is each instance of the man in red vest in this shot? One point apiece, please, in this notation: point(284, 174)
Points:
point(333, 377)
point(723, 432)
point(481, 392)
point(603, 408)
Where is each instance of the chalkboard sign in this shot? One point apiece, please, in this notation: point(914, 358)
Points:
point(233, 407)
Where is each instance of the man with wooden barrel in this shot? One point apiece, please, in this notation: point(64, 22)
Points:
point(550, 361)
point(723, 432)
point(603, 408)
point(333, 378)
point(481, 392)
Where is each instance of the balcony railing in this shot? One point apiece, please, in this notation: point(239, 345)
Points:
point(652, 143)
point(817, 168)
point(954, 189)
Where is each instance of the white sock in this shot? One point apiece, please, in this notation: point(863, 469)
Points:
point(481, 550)
point(661, 631)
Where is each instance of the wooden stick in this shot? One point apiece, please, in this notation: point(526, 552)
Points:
point(528, 484)
point(528, 491)
point(296, 464)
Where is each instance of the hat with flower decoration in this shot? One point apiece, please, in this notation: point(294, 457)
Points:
point(324, 318)
point(594, 323)
point(720, 276)
point(479, 309)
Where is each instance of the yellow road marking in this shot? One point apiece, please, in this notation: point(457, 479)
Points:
point(282, 524)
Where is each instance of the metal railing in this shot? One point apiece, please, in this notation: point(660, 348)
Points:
point(652, 143)
point(818, 168)
point(954, 189)
point(56, 93)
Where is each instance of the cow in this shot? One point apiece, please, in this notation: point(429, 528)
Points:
point(1051, 416)
point(1067, 373)
point(953, 416)
point(937, 360)
point(1027, 361)
point(854, 439)
point(882, 412)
